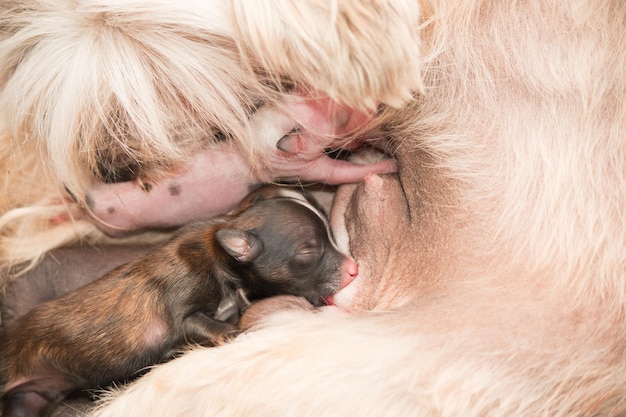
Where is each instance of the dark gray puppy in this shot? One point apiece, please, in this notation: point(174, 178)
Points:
point(188, 290)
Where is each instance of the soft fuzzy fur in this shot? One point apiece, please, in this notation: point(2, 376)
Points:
point(492, 270)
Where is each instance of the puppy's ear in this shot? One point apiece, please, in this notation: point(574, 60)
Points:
point(243, 246)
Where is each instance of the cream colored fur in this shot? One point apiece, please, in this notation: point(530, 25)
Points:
point(492, 272)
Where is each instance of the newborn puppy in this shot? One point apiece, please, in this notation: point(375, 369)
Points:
point(188, 290)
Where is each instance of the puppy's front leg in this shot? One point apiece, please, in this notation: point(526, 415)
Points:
point(204, 330)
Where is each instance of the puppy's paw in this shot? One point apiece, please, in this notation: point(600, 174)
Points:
point(259, 311)
point(227, 337)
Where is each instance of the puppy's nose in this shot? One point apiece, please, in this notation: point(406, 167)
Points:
point(350, 270)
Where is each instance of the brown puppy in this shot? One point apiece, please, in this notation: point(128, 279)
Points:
point(188, 290)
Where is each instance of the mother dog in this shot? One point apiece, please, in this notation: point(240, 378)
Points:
point(492, 269)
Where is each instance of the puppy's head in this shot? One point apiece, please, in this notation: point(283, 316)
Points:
point(284, 246)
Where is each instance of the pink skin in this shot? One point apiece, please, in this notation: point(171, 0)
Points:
point(213, 182)
point(217, 178)
point(349, 272)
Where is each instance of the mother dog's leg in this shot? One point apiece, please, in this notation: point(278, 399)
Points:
point(335, 47)
point(113, 91)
